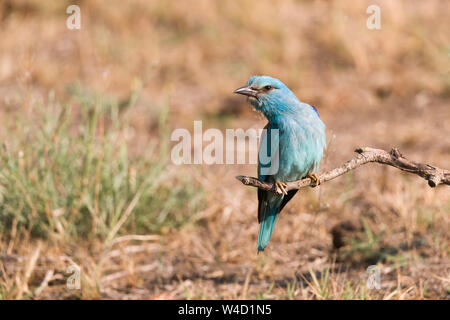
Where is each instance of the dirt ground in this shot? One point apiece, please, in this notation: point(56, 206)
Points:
point(216, 258)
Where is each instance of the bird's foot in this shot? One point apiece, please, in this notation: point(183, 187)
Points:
point(280, 187)
point(315, 178)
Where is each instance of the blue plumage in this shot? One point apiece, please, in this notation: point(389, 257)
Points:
point(298, 142)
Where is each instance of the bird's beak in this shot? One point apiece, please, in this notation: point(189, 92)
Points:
point(247, 91)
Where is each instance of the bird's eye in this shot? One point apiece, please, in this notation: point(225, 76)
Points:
point(268, 87)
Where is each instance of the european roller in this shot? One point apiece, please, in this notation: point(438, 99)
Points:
point(294, 145)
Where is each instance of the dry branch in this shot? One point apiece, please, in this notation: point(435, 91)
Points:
point(394, 158)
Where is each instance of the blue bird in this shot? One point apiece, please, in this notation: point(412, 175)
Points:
point(291, 148)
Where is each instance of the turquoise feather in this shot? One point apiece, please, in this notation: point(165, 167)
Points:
point(301, 141)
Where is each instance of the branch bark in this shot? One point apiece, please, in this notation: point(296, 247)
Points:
point(394, 158)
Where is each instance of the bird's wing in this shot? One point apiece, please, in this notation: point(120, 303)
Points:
point(287, 198)
point(262, 195)
point(261, 176)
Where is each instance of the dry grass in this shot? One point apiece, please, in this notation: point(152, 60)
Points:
point(133, 73)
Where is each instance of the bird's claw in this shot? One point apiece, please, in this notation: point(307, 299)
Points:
point(280, 187)
point(314, 178)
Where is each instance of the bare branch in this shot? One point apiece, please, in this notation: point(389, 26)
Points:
point(394, 158)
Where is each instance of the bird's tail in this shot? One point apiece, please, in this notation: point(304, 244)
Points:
point(268, 222)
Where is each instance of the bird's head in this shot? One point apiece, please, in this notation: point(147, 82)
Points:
point(268, 95)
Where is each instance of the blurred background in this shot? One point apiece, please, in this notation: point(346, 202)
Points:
point(86, 177)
